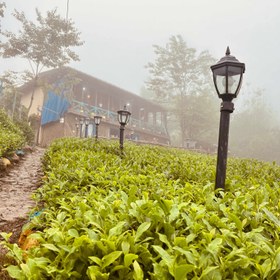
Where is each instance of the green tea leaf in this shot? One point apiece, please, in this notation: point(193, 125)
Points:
point(211, 272)
point(137, 273)
point(26, 270)
point(163, 239)
point(110, 258)
point(129, 258)
point(215, 246)
point(236, 220)
point(125, 247)
point(272, 217)
point(182, 270)
point(96, 260)
point(93, 272)
point(174, 213)
point(166, 257)
point(15, 272)
point(117, 230)
point(189, 255)
point(141, 229)
point(73, 232)
point(51, 247)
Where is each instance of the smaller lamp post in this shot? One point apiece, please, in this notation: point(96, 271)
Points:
point(97, 120)
point(86, 128)
point(81, 127)
point(77, 128)
point(227, 76)
point(123, 117)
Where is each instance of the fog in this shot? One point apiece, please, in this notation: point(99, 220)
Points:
point(119, 36)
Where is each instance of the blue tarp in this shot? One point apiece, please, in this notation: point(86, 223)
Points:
point(54, 108)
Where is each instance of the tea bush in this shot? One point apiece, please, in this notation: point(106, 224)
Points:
point(11, 136)
point(150, 213)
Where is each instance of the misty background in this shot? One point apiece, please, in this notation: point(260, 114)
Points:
point(119, 38)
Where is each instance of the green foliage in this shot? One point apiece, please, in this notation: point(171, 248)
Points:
point(46, 43)
point(150, 213)
point(10, 103)
point(27, 131)
point(11, 136)
point(181, 79)
point(10, 96)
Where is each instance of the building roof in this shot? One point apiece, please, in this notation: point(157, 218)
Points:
point(93, 85)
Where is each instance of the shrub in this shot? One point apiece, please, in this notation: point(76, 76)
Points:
point(150, 213)
point(11, 137)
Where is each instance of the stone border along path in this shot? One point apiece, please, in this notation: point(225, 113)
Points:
point(17, 186)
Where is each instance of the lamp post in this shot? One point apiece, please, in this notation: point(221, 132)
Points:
point(97, 120)
point(227, 76)
point(81, 127)
point(123, 117)
point(39, 114)
point(86, 128)
point(77, 128)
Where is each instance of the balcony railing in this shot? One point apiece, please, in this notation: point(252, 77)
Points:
point(86, 110)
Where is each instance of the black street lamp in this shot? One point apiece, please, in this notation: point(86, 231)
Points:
point(81, 127)
point(123, 117)
point(77, 128)
point(86, 128)
point(227, 76)
point(97, 120)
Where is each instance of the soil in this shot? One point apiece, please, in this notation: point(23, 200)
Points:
point(17, 184)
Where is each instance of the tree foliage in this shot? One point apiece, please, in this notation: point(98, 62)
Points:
point(2, 7)
point(45, 44)
point(10, 103)
point(181, 78)
point(10, 95)
point(11, 136)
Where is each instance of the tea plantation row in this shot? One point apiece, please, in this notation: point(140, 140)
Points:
point(150, 213)
point(11, 137)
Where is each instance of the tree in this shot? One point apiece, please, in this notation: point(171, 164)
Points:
point(2, 7)
point(10, 96)
point(179, 77)
point(45, 44)
point(10, 103)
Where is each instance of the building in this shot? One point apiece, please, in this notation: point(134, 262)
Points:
point(64, 98)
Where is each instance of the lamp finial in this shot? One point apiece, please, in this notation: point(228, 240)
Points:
point(228, 51)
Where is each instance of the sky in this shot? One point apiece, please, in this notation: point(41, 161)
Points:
point(119, 36)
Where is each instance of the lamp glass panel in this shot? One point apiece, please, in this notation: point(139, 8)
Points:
point(128, 117)
point(235, 74)
point(123, 117)
point(97, 120)
point(229, 86)
point(220, 84)
point(120, 116)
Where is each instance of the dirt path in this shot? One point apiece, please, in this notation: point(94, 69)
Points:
point(17, 186)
